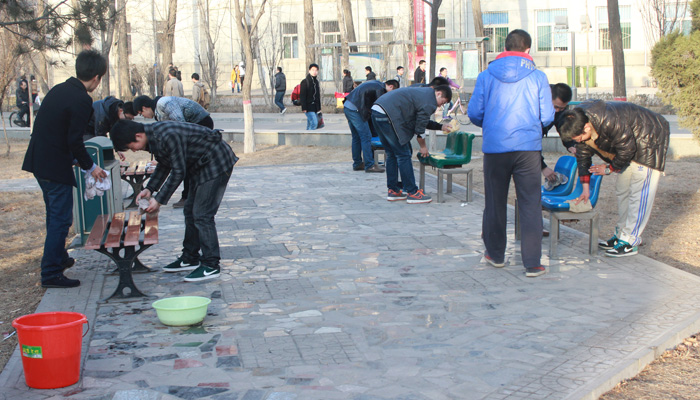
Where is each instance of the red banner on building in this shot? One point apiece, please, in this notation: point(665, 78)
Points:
point(419, 27)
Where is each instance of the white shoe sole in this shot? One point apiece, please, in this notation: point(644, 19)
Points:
point(495, 264)
point(535, 274)
point(409, 201)
point(190, 268)
point(631, 253)
point(204, 278)
point(395, 198)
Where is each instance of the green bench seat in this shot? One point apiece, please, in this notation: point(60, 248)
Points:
point(458, 151)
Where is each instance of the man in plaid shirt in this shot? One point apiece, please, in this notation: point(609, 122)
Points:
point(183, 148)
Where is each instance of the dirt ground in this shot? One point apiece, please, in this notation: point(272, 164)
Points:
point(672, 236)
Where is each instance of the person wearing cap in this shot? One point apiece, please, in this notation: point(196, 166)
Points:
point(633, 142)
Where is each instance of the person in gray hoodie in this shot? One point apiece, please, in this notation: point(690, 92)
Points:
point(280, 89)
point(397, 116)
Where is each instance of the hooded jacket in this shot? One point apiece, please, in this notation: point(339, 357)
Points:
point(511, 102)
point(409, 110)
point(627, 131)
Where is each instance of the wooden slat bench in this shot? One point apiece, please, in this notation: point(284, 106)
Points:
point(110, 236)
point(135, 175)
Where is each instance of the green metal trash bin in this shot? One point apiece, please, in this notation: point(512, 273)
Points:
point(85, 212)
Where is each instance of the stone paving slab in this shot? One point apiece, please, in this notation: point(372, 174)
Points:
point(328, 291)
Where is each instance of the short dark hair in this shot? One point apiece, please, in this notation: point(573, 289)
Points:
point(393, 82)
point(421, 62)
point(399, 67)
point(442, 69)
point(439, 81)
point(518, 40)
point(195, 76)
point(561, 91)
point(143, 101)
point(445, 90)
point(571, 124)
point(279, 69)
point(368, 68)
point(128, 108)
point(90, 64)
point(124, 132)
point(347, 72)
point(172, 72)
point(313, 65)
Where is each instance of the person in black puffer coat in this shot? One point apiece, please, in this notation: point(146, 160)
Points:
point(633, 141)
point(310, 97)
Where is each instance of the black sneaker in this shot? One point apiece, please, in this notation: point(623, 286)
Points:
point(70, 261)
point(375, 168)
point(535, 271)
point(608, 244)
point(360, 167)
point(179, 266)
point(180, 203)
point(203, 273)
point(622, 249)
point(60, 282)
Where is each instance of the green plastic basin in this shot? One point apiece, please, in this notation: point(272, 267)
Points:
point(184, 310)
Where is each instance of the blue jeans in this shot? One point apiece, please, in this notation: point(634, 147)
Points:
point(311, 120)
point(398, 156)
point(361, 139)
point(278, 100)
point(200, 209)
point(58, 198)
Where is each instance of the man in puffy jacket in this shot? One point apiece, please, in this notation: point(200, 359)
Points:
point(310, 97)
point(633, 141)
point(398, 116)
point(280, 89)
point(511, 102)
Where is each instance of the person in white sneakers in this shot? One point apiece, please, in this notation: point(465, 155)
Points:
point(633, 142)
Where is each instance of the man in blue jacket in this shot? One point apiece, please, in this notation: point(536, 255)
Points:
point(398, 116)
point(511, 102)
point(357, 111)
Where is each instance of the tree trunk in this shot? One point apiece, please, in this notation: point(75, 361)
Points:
point(123, 53)
point(309, 33)
point(342, 25)
point(349, 24)
point(478, 20)
point(618, 55)
point(169, 36)
point(107, 37)
point(433, 38)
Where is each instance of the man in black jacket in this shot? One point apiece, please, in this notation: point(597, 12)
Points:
point(419, 75)
point(633, 141)
point(371, 76)
point(55, 146)
point(280, 89)
point(398, 116)
point(310, 97)
point(357, 109)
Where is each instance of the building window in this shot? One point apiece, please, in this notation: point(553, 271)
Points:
point(441, 30)
point(496, 29)
point(677, 17)
point(380, 30)
point(548, 38)
point(290, 40)
point(330, 34)
point(604, 30)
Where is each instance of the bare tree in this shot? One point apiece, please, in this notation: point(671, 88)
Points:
point(270, 56)
point(434, 16)
point(618, 55)
point(309, 33)
point(245, 28)
point(105, 29)
point(342, 26)
point(661, 18)
point(122, 44)
point(210, 70)
point(349, 24)
point(478, 19)
point(169, 35)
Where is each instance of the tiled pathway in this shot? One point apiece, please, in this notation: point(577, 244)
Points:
point(331, 292)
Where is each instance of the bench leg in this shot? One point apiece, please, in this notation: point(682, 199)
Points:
point(124, 265)
point(449, 184)
point(422, 177)
point(440, 183)
point(136, 183)
point(553, 234)
point(470, 193)
point(593, 236)
point(138, 268)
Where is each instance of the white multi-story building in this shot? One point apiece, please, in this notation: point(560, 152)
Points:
point(404, 24)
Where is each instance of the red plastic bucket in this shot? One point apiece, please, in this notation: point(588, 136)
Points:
point(51, 345)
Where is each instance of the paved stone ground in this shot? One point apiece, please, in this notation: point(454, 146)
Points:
point(331, 292)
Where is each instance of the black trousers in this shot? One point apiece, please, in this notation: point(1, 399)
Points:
point(524, 168)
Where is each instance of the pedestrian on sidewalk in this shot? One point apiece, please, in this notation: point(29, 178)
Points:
point(401, 77)
point(371, 76)
point(357, 109)
point(241, 72)
point(348, 83)
point(173, 87)
point(310, 97)
point(419, 74)
point(174, 109)
point(511, 102)
point(235, 86)
point(633, 142)
point(280, 89)
point(55, 146)
point(185, 150)
point(398, 116)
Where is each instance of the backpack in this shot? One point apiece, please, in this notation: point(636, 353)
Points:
point(296, 95)
point(205, 98)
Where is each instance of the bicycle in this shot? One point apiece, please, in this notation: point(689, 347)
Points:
point(458, 111)
point(17, 122)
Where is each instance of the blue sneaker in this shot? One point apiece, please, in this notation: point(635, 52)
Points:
point(621, 249)
point(394, 196)
point(608, 244)
point(418, 197)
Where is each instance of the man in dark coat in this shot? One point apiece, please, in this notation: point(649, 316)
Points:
point(371, 76)
point(310, 97)
point(633, 141)
point(280, 89)
point(398, 116)
point(419, 75)
point(357, 109)
point(55, 146)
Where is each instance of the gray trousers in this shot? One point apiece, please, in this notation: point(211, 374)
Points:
point(525, 169)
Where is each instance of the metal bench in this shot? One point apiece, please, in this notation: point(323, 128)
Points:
point(127, 232)
point(135, 175)
point(458, 151)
